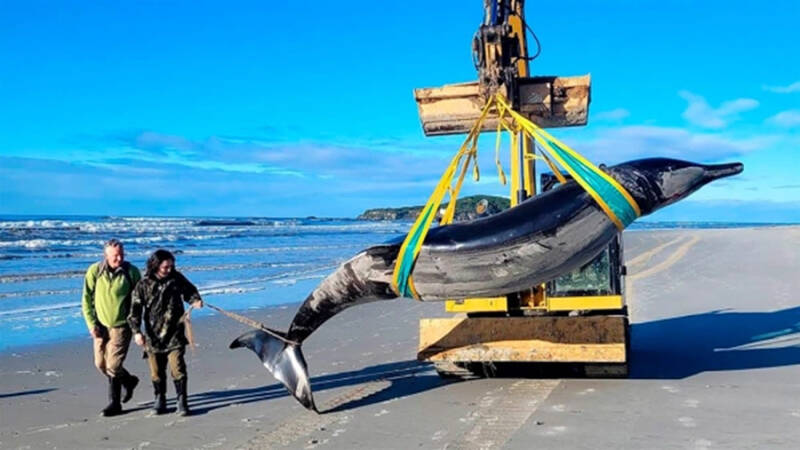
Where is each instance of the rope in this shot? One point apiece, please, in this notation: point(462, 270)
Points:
point(187, 324)
point(239, 318)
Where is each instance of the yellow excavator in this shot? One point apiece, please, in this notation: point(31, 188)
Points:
point(578, 320)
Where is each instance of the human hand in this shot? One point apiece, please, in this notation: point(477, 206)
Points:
point(139, 339)
point(96, 332)
point(197, 304)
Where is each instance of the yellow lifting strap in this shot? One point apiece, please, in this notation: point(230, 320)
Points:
point(402, 282)
point(613, 199)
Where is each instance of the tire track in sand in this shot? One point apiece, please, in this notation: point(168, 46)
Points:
point(644, 257)
point(308, 423)
point(676, 256)
point(502, 412)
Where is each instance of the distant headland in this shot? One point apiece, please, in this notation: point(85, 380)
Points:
point(467, 208)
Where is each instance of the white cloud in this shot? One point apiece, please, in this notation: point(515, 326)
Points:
point(794, 87)
point(387, 168)
point(788, 119)
point(612, 115)
point(700, 113)
point(140, 187)
point(364, 161)
point(615, 145)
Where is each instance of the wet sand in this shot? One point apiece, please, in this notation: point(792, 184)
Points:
point(714, 364)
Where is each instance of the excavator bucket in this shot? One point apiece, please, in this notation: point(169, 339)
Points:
point(549, 102)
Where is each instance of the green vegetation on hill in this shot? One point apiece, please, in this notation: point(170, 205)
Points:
point(466, 209)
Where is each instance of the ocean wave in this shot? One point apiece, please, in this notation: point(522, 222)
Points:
point(181, 251)
point(294, 280)
point(207, 292)
point(58, 255)
point(148, 218)
point(314, 272)
point(41, 244)
point(83, 255)
point(282, 249)
point(143, 224)
point(21, 238)
point(113, 225)
point(27, 277)
point(228, 291)
point(30, 244)
point(54, 244)
point(29, 229)
point(227, 288)
point(45, 224)
point(37, 309)
point(39, 293)
point(222, 223)
point(241, 266)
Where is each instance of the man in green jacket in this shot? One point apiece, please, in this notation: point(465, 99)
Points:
point(106, 301)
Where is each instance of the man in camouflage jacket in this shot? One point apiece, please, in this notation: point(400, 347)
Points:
point(158, 302)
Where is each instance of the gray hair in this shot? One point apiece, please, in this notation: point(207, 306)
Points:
point(113, 243)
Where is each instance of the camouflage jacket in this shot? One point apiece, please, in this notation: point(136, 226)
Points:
point(160, 303)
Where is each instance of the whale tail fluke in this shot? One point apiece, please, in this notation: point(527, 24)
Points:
point(284, 360)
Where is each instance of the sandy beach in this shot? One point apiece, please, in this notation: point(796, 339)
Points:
point(715, 321)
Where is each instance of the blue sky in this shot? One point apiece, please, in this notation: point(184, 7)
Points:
point(306, 108)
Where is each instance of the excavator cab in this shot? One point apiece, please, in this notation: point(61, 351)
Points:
point(601, 277)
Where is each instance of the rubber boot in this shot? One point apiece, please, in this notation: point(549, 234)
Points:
point(183, 403)
point(129, 383)
point(114, 392)
point(160, 402)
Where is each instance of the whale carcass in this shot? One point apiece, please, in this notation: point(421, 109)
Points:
point(540, 239)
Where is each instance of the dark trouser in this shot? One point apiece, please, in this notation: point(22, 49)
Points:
point(158, 364)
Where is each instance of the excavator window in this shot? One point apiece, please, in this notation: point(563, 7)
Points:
point(601, 276)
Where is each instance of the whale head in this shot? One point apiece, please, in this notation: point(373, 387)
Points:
point(657, 182)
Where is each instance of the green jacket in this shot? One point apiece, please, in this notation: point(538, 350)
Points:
point(107, 294)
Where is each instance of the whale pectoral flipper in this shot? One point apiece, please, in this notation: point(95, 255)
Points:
point(284, 360)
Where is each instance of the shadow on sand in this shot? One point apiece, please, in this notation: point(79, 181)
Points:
point(405, 377)
point(679, 347)
point(672, 348)
point(30, 392)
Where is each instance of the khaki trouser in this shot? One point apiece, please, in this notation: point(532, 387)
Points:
point(110, 350)
point(158, 364)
